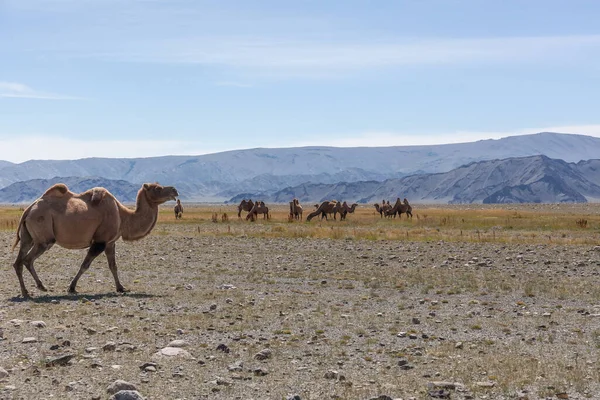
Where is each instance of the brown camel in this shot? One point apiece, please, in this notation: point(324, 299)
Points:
point(178, 210)
point(326, 207)
point(296, 209)
point(259, 208)
point(401, 207)
point(245, 205)
point(347, 210)
point(93, 219)
point(383, 209)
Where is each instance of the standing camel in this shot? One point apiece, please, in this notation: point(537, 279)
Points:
point(401, 207)
point(93, 219)
point(347, 210)
point(259, 208)
point(178, 210)
point(383, 209)
point(296, 209)
point(245, 206)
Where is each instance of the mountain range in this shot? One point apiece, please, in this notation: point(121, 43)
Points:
point(535, 179)
point(440, 173)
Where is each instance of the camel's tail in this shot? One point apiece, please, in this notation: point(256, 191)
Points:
point(21, 223)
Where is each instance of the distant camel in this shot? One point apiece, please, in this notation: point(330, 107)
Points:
point(93, 219)
point(401, 207)
point(383, 209)
point(346, 209)
point(259, 208)
point(326, 207)
point(296, 209)
point(245, 205)
point(178, 209)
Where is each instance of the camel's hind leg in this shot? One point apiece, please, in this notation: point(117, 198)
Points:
point(26, 245)
point(94, 251)
point(28, 253)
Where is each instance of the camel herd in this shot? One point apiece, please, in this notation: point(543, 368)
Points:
point(331, 208)
point(387, 210)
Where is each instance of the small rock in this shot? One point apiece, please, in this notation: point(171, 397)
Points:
point(236, 367)
point(174, 352)
point(29, 340)
point(334, 375)
point(145, 366)
point(263, 354)
point(3, 373)
point(562, 395)
point(223, 347)
point(458, 345)
point(487, 384)
point(60, 360)
point(293, 397)
point(127, 395)
point(38, 324)
point(119, 385)
point(178, 343)
point(260, 372)
point(16, 322)
point(109, 346)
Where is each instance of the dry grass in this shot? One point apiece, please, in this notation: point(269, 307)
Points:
point(559, 224)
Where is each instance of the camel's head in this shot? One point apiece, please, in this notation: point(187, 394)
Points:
point(158, 194)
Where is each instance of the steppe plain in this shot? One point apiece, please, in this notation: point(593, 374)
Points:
point(461, 302)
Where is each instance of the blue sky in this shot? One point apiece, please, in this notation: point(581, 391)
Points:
point(125, 78)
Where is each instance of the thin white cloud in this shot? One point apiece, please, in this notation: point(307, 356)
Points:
point(19, 90)
point(43, 147)
point(298, 56)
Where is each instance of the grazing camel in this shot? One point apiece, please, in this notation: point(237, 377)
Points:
point(94, 219)
point(401, 207)
point(326, 207)
point(245, 206)
point(178, 210)
point(347, 210)
point(296, 209)
point(259, 208)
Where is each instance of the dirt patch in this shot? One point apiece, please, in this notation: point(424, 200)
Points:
point(269, 318)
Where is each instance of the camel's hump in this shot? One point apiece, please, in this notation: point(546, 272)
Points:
point(56, 190)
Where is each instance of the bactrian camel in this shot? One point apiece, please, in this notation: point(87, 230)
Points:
point(93, 219)
point(296, 209)
point(347, 210)
point(382, 210)
point(178, 209)
point(399, 208)
point(259, 208)
point(245, 205)
point(326, 207)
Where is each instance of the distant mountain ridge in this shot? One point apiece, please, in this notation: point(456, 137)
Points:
point(220, 176)
point(28, 191)
point(535, 179)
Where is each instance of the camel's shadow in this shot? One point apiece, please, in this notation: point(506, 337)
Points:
point(79, 297)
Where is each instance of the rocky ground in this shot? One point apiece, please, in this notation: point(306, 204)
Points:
point(237, 317)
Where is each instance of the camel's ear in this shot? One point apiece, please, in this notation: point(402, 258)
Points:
point(146, 186)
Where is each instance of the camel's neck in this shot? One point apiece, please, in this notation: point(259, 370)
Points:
point(138, 224)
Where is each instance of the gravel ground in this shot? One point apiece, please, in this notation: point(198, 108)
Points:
point(257, 318)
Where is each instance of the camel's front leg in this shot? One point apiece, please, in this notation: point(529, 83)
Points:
point(94, 251)
point(112, 264)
